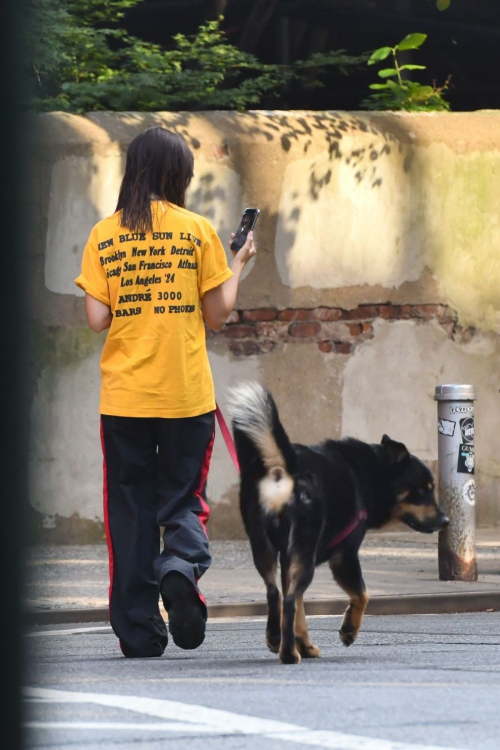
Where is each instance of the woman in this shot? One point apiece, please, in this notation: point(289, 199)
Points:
point(152, 273)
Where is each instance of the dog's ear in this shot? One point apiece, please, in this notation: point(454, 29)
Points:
point(396, 452)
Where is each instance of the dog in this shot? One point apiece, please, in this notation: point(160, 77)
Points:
point(307, 505)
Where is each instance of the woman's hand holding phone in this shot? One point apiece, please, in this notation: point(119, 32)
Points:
point(220, 301)
point(246, 252)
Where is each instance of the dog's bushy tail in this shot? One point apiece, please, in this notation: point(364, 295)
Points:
point(254, 414)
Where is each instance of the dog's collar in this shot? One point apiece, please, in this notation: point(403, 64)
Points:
point(361, 516)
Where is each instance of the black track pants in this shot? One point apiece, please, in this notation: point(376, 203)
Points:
point(155, 471)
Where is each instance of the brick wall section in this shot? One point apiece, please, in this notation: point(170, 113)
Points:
point(259, 331)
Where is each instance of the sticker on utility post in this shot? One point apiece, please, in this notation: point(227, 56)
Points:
point(466, 459)
point(467, 430)
point(446, 427)
point(469, 492)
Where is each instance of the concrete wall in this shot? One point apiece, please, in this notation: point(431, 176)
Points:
point(377, 277)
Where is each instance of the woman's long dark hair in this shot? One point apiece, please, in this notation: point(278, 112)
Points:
point(159, 165)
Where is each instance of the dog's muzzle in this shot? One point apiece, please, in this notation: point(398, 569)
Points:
point(438, 523)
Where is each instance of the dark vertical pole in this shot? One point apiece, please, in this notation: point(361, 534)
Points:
point(12, 342)
point(215, 8)
point(256, 23)
point(283, 40)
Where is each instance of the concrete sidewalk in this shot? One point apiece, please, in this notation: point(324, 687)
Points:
point(395, 564)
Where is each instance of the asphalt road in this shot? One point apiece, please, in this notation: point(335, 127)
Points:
point(408, 682)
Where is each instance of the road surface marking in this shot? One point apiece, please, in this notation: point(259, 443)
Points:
point(213, 621)
point(172, 726)
point(71, 631)
point(225, 722)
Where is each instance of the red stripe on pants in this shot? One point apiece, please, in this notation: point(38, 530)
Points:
point(205, 508)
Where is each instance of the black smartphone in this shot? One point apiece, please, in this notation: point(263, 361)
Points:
point(247, 223)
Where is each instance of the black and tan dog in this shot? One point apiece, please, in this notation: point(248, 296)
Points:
point(310, 504)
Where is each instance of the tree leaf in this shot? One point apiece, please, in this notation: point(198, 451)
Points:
point(443, 4)
point(380, 54)
point(396, 87)
point(387, 72)
point(421, 93)
point(412, 41)
point(413, 67)
point(378, 86)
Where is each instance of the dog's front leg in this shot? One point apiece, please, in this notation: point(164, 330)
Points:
point(346, 570)
point(298, 575)
point(288, 649)
point(273, 629)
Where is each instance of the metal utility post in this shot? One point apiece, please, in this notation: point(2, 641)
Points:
point(457, 485)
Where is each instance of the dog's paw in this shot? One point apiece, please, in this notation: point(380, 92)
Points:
point(273, 647)
point(308, 651)
point(273, 642)
point(290, 657)
point(347, 637)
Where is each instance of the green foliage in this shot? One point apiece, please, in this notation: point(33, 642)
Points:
point(411, 41)
point(402, 93)
point(84, 61)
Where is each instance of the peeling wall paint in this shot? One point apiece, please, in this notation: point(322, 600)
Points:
point(65, 450)
point(349, 218)
point(83, 189)
point(460, 210)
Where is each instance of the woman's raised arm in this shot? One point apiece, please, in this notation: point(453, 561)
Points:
point(217, 304)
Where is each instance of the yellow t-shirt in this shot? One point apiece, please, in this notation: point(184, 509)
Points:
point(154, 362)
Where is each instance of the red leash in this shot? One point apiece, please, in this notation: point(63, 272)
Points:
point(228, 438)
point(361, 515)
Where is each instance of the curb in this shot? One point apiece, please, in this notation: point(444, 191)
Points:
point(413, 604)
